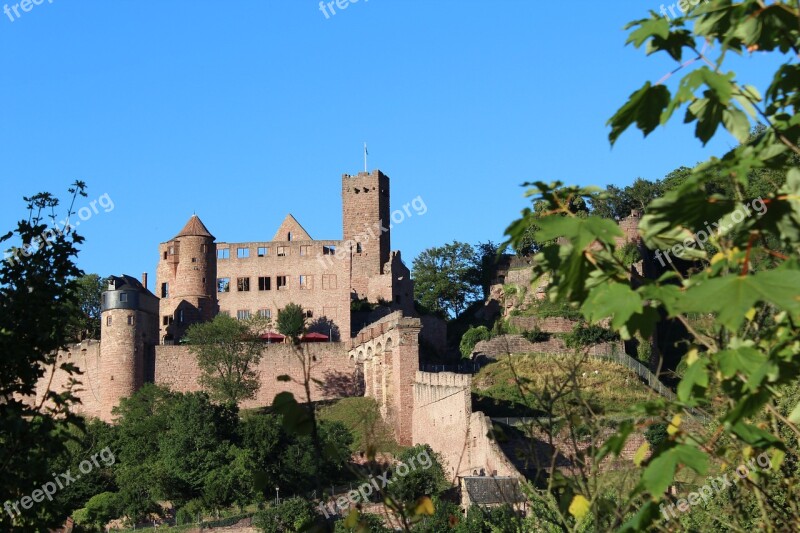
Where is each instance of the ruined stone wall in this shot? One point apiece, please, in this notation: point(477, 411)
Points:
point(517, 344)
point(555, 324)
point(444, 420)
point(85, 356)
point(324, 289)
point(177, 369)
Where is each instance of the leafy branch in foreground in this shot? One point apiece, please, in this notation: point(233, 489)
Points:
point(745, 277)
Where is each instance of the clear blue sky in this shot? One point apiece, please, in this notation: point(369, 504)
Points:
point(244, 111)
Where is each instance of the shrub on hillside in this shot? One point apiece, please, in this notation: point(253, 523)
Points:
point(471, 337)
point(583, 335)
point(536, 335)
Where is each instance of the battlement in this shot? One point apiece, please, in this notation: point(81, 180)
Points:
point(443, 379)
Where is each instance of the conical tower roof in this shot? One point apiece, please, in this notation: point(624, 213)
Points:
point(194, 228)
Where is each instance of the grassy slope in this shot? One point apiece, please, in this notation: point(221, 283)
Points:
point(607, 387)
point(362, 418)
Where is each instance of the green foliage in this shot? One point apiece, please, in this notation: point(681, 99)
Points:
point(536, 335)
point(447, 279)
point(292, 322)
point(37, 295)
point(656, 434)
point(102, 508)
point(745, 276)
point(293, 515)
point(366, 523)
point(85, 323)
point(228, 352)
point(362, 417)
point(425, 477)
point(583, 335)
point(472, 337)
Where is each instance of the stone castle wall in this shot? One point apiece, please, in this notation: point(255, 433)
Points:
point(517, 344)
point(86, 357)
point(444, 420)
point(176, 367)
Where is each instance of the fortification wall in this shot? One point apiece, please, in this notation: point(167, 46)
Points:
point(176, 367)
point(444, 420)
point(85, 356)
point(517, 344)
point(555, 324)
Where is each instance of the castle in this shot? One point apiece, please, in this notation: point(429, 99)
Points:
point(198, 277)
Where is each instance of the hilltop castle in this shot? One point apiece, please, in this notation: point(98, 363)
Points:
point(198, 278)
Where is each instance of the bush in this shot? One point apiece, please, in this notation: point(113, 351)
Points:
point(536, 335)
point(289, 516)
point(471, 337)
point(656, 434)
point(583, 335)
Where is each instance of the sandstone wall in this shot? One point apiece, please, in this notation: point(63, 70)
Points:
point(177, 368)
point(517, 344)
point(85, 356)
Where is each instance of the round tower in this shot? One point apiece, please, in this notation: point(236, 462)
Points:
point(129, 333)
point(186, 280)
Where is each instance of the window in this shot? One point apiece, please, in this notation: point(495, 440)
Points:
point(289, 237)
point(243, 253)
point(171, 250)
point(165, 255)
point(243, 284)
point(194, 260)
point(328, 250)
point(282, 251)
point(306, 282)
point(305, 250)
point(328, 281)
point(224, 253)
point(223, 284)
point(264, 283)
point(280, 282)
point(358, 248)
point(263, 251)
point(123, 297)
point(309, 313)
point(203, 248)
point(108, 320)
point(265, 313)
point(242, 314)
point(165, 320)
point(165, 290)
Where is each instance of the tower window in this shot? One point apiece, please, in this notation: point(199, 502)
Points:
point(165, 290)
point(194, 260)
point(243, 284)
point(123, 297)
point(130, 320)
point(264, 283)
point(171, 250)
point(263, 251)
point(203, 248)
point(165, 255)
point(224, 253)
point(108, 320)
point(223, 284)
point(243, 253)
point(281, 282)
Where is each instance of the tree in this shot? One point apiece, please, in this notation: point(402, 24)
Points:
point(445, 279)
point(37, 291)
point(420, 481)
point(292, 322)
point(85, 322)
point(228, 352)
point(486, 260)
point(741, 365)
point(289, 516)
point(472, 337)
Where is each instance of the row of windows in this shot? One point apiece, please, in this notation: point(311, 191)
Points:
point(243, 252)
point(131, 320)
point(171, 251)
point(281, 282)
point(244, 314)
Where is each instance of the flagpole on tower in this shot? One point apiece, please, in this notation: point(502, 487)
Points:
point(366, 153)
